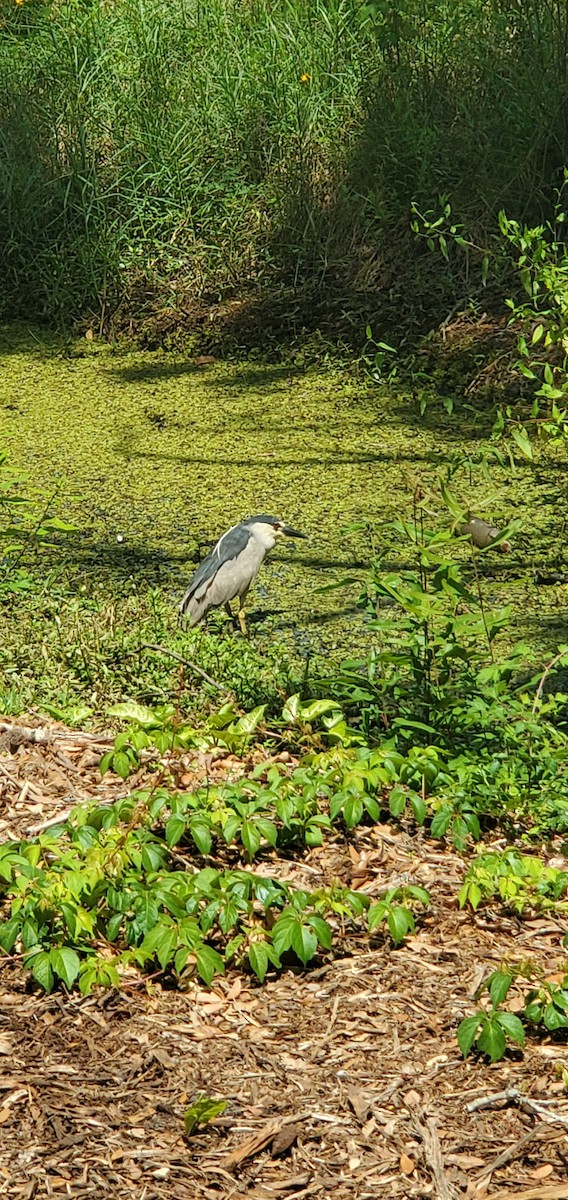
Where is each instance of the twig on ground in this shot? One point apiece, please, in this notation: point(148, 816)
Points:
point(433, 1155)
point(537, 1108)
point(555, 1191)
point(187, 662)
point(510, 1153)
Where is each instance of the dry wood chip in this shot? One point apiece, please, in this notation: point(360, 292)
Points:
point(254, 1144)
point(360, 1102)
point(554, 1191)
point(284, 1139)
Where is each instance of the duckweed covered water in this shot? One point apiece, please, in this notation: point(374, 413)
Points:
point(157, 456)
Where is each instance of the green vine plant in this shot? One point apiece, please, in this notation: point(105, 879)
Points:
point(89, 899)
point(543, 1008)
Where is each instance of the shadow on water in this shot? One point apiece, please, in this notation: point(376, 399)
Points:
point(467, 421)
point(328, 460)
point(114, 563)
point(150, 372)
point(242, 378)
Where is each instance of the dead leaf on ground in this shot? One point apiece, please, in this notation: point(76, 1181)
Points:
point(359, 1101)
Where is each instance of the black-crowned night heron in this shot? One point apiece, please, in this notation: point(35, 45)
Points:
point(232, 567)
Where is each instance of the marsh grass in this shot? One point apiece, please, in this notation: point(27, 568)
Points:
point(186, 150)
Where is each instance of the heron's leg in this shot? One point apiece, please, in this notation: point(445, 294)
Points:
point(229, 610)
point(241, 617)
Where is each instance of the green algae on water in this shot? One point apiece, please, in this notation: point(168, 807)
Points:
point(159, 455)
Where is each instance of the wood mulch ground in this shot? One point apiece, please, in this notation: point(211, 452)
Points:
point(342, 1081)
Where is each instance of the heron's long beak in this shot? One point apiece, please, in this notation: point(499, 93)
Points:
point(289, 532)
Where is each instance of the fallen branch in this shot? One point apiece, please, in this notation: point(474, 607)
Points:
point(187, 662)
point(537, 1108)
point(15, 735)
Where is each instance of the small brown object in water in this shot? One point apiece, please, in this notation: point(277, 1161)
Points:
point(482, 534)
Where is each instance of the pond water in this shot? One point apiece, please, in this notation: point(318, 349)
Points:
point(164, 455)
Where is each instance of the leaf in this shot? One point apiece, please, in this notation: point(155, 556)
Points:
point(250, 721)
point(322, 930)
point(470, 893)
point(513, 1027)
point(352, 811)
point(146, 912)
point(231, 827)
point(318, 708)
point(491, 1040)
point(9, 931)
point(553, 1018)
point(130, 711)
point(201, 834)
point(41, 970)
point(209, 963)
point(167, 944)
point(377, 914)
point(121, 764)
point(498, 985)
point(106, 762)
point(283, 931)
point(201, 1112)
point(250, 837)
point(291, 709)
point(304, 942)
point(66, 964)
point(417, 893)
point(397, 801)
point(152, 856)
point(441, 821)
point(399, 920)
point(267, 829)
point(258, 959)
point(175, 829)
point(314, 836)
point(466, 1033)
point(113, 927)
point(418, 807)
point(521, 440)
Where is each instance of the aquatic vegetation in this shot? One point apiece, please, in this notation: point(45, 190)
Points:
point(154, 457)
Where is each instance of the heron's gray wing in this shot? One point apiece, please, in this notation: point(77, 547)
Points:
point(228, 548)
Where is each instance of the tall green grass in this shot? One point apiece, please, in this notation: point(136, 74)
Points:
point(156, 153)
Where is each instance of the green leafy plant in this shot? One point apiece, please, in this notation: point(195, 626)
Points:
point(488, 1031)
point(547, 1005)
point(398, 918)
point(161, 730)
point(200, 1112)
point(522, 882)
